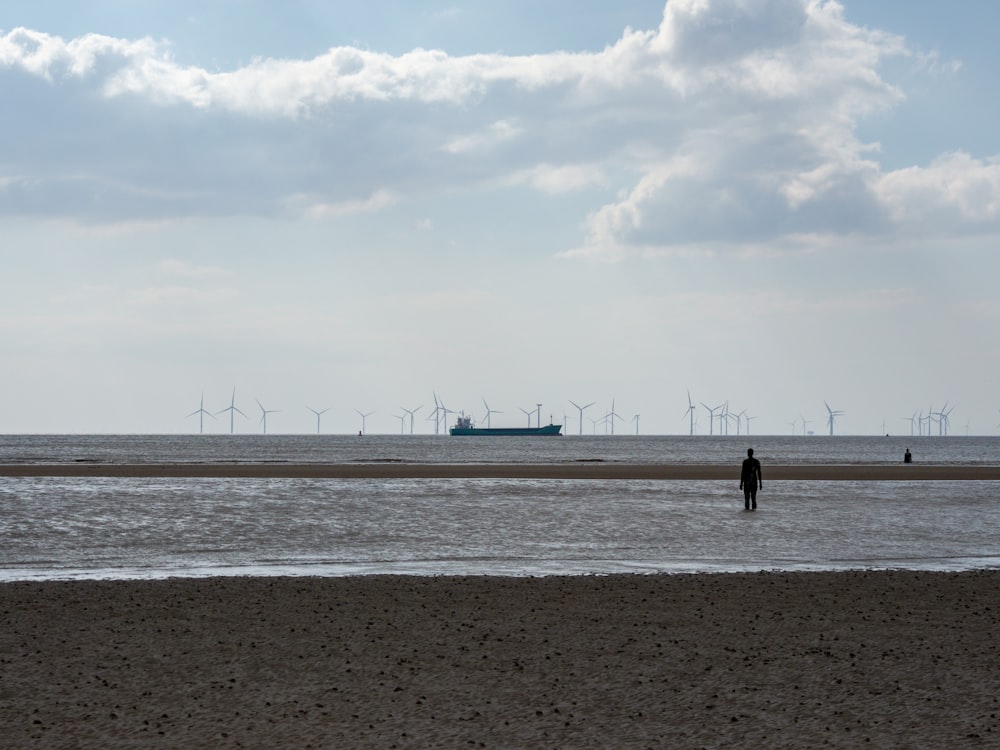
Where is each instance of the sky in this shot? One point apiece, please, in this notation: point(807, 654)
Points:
point(777, 205)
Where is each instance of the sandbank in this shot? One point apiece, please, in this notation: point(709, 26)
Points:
point(572, 470)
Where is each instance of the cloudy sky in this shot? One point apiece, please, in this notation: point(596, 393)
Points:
point(770, 203)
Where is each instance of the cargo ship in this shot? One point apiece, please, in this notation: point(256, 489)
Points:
point(464, 426)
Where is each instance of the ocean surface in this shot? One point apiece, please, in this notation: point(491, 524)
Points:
point(67, 528)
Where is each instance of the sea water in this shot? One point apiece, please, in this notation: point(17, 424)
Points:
point(59, 527)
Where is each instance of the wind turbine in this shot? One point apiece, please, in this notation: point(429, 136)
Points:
point(411, 412)
point(747, 417)
point(944, 419)
point(636, 420)
point(739, 420)
point(724, 419)
point(611, 415)
point(402, 422)
point(232, 409)
point(581, 408)
point(529, 413)
point(690, 411)
point(445, 411)
point(434, 414)
point(911, 420)
point(364, 418)
point(832, 415)
point(930, 418)
point(200, 411)
point(489, 412)
point(263, 414)
point(805, 423)
point(318, 415)
point(711, 416)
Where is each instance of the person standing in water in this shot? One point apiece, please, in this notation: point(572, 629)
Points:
point(750, 480)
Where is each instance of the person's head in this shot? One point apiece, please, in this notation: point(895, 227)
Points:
point(750, 452)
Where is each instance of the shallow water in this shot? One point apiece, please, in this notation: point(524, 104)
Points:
point(441, 449)
point(123, 528)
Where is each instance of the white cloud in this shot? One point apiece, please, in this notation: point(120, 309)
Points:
point(180, 296)
point(496, 133)
point(178, 267)
point(376, 201)
point(954, 190)
point(733, 124)
point(555, 179)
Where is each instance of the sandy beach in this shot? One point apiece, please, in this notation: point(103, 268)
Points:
point(878, 659)
point(575, 470)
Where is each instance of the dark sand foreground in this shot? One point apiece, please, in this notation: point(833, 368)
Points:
point(857, 659)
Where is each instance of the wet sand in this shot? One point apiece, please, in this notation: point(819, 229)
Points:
point(575, 470)
point(777, 660)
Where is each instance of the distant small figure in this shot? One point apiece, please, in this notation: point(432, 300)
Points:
point(359, 433)
point(907, 457)
point(750, 480)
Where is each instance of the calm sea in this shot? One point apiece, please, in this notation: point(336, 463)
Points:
point(55, 528)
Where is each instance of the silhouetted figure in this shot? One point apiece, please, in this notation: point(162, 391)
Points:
point(750, 480)
point(907, 457)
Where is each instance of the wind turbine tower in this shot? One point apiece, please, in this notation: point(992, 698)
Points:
point(944, 419)
point(832, 415)
point(200, 411)
point(738, 418)
point(690, 411)
point(411, 412)
point(445, 411)
point(528, 413)
point(711, 416)
point(318, 415)
point(612, 415)
point(581, 408)
point(435, 415)
point(724, 419)
point(233, 410)
point(364, 418)
point(263, 414)
point(489, 413)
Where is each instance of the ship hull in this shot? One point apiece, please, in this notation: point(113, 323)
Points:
point(549, 429)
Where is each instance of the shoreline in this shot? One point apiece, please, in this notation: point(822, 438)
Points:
point(598, 470)
point(890, 658)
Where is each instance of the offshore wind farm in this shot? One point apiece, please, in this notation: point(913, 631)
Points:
point(722, 419)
